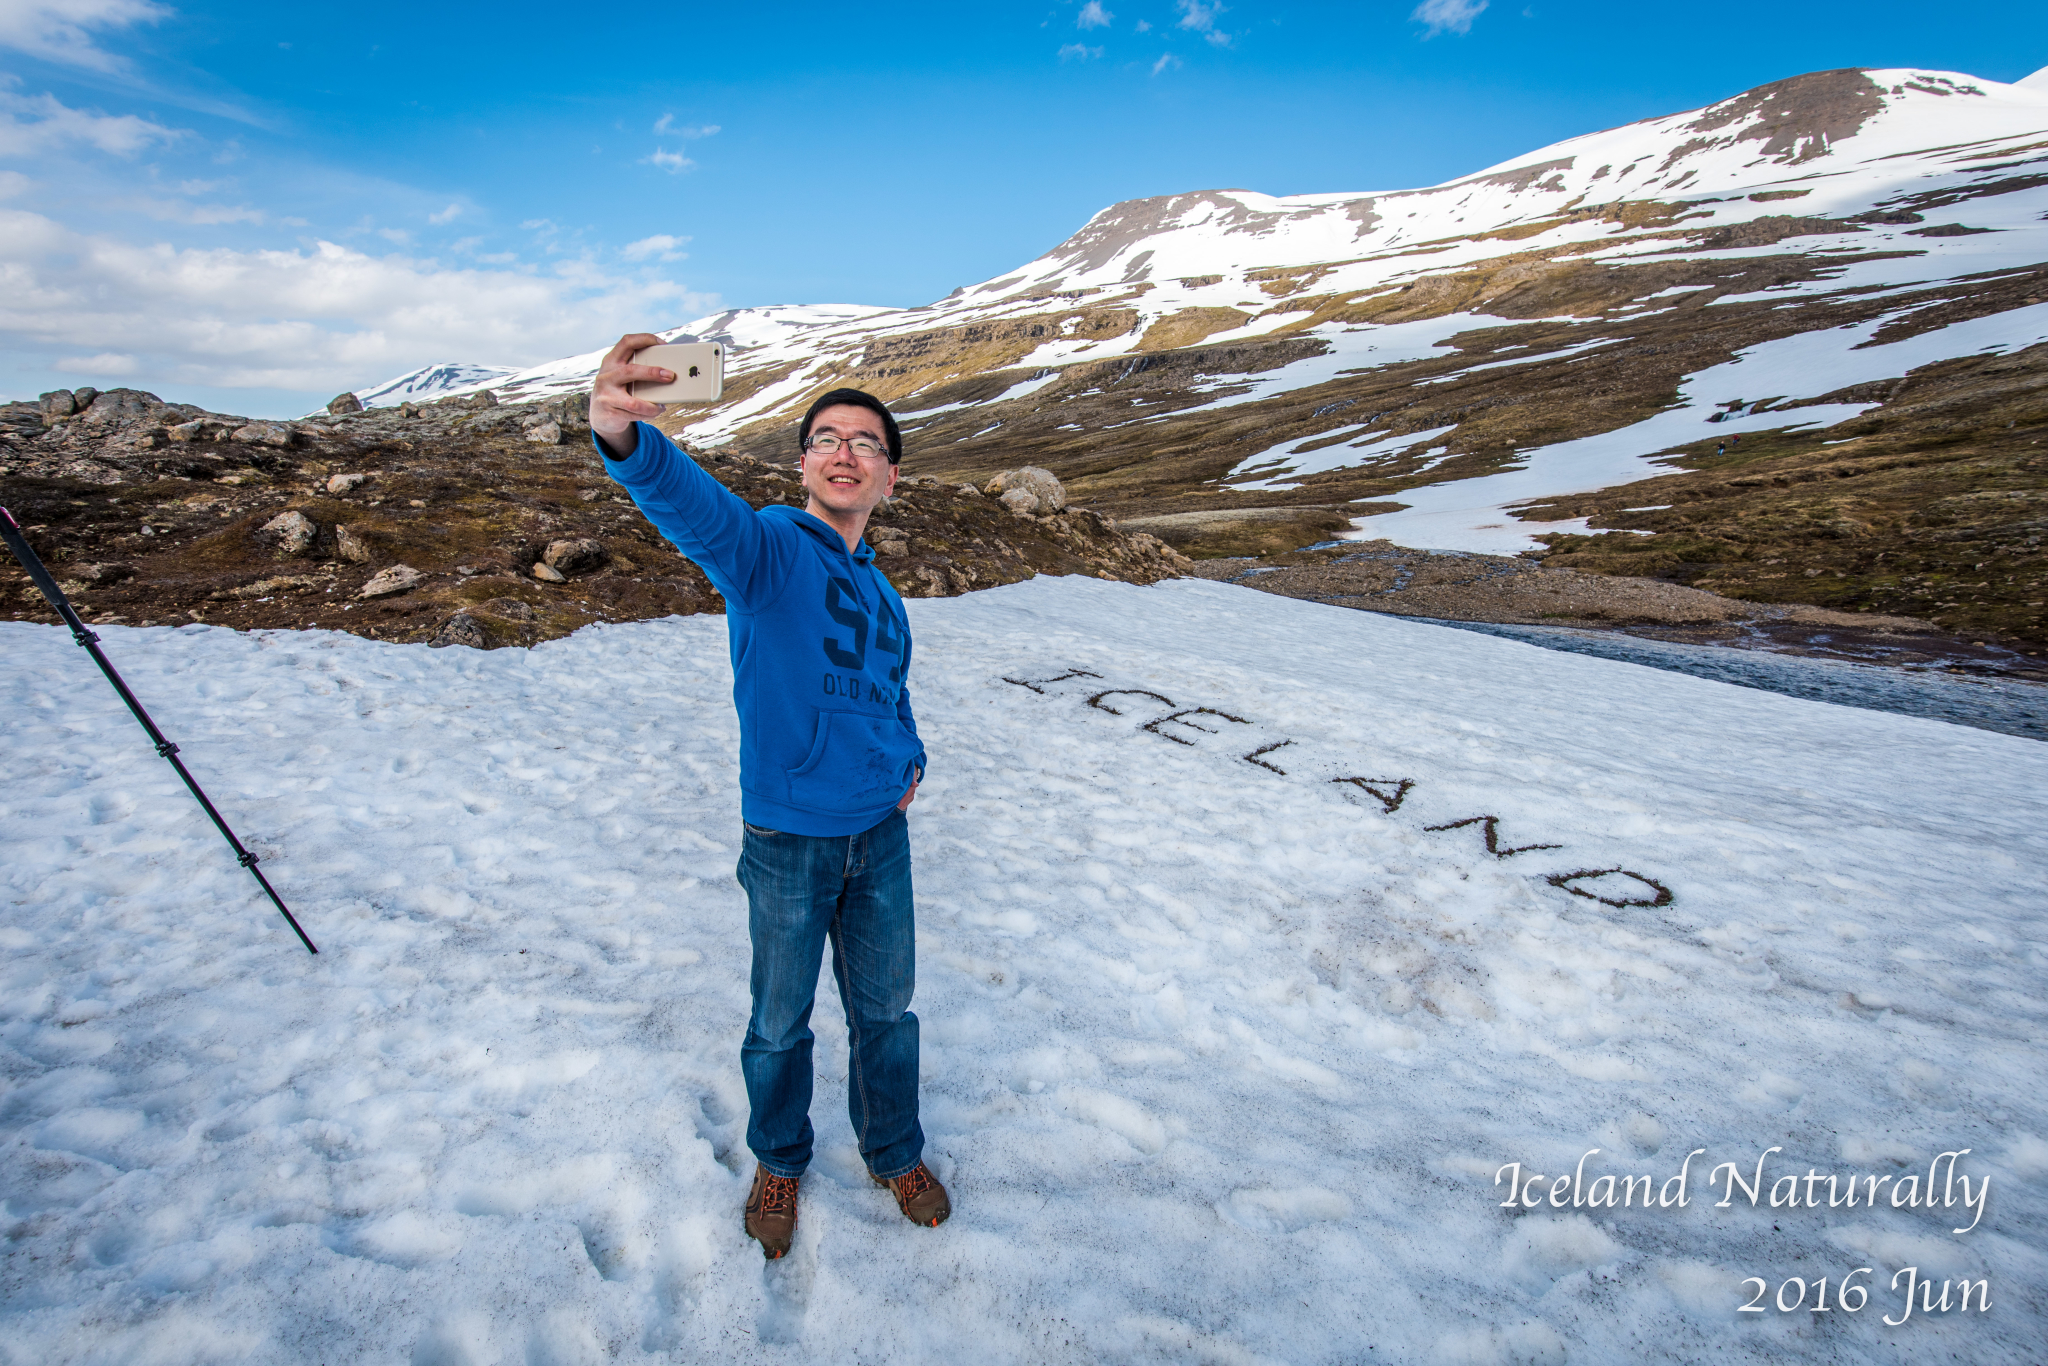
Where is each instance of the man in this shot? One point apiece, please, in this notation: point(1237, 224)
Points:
point(829, 762)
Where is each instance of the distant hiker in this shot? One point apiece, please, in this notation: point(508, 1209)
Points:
point(829, 760)
point(1720, 448)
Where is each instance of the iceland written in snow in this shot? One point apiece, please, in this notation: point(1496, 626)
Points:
point(1472, 761)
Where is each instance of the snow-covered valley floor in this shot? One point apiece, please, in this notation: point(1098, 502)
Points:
point(1230, 1017)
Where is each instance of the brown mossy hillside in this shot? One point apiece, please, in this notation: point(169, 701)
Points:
point(515, 531)
point(1934, 506)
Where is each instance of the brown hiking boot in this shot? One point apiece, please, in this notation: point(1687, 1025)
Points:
point(771, 1212)
point(919, 1195)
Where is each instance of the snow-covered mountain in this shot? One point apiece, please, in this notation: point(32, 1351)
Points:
point(1266, 319)
point(433, 381)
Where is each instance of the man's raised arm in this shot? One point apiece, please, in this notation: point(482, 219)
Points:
point(700, 516)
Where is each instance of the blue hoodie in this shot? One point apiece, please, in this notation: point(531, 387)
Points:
point(820, 648)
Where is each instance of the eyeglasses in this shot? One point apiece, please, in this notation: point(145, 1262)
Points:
point(866, 447)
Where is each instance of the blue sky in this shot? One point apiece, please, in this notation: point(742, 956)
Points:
point(255, 206)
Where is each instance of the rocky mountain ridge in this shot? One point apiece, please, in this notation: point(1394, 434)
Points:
point(1810, 319)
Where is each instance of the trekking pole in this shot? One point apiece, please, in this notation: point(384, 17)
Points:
point(11, 532)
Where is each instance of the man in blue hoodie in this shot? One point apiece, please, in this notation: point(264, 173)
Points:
point(829, 761)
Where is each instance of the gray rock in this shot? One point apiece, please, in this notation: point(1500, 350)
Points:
point(266, 434)
point(548, 433)
point(293, 532)
point(574, 557)
point(100, 575)
point(1051, 494)
point(198, 429)
point(1021, 501)
point(547, 573)
point(511, 609)
point(351, 546)
point(461, 629)
point(58, 403)
point(120, 405)
point(968, 491)
point(388, 583)
point(344, 403)
point(84, 397)
point(346, 483)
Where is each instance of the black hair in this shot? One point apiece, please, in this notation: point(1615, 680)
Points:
point(859, 399)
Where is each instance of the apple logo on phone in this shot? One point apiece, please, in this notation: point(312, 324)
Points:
point(693, 372)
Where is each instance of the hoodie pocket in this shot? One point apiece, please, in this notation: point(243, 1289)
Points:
point(857, 763)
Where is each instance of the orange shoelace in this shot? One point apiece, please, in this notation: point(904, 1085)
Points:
point(778, 1193)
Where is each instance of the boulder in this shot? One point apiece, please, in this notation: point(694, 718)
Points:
point(57, 403)
point(84, 397)
point(346, 483)
point(547, 573)
point(547, 433)
point(511, 609)
point(292, 532)
point(388, 583)
point(1021, 501)
point(461, 629)
point(344, 403)
point(574, 557)
point(119, 405)
point(1051, 494)
point(351, 546)
point(198, 429)
point(266, 434)
point(100, 575)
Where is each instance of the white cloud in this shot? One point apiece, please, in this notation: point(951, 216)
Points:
point(1167, 62)
point(668, 126)
point(1144, 26)
point(60, 30)
point(50, 123)
point(199, 215)
point(327, 318)
point(14, 183)
point(1454, 16)
point(447, 215)
point(1199, 17)
point(105, 363)
point(1093, 15)
point(398, 235)
point(661, 246)
point(1079, 52)
point(675, 163)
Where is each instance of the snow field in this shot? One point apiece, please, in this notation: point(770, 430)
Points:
point(1221, 1057)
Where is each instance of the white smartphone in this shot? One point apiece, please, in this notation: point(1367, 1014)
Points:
point(699, 369)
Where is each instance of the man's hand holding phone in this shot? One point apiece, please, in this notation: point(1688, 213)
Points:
point(642, 373)
point(613, 409)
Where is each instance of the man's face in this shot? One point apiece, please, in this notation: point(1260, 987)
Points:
point(843, 482)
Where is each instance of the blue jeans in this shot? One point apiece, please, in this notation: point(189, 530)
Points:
point(853, 890)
